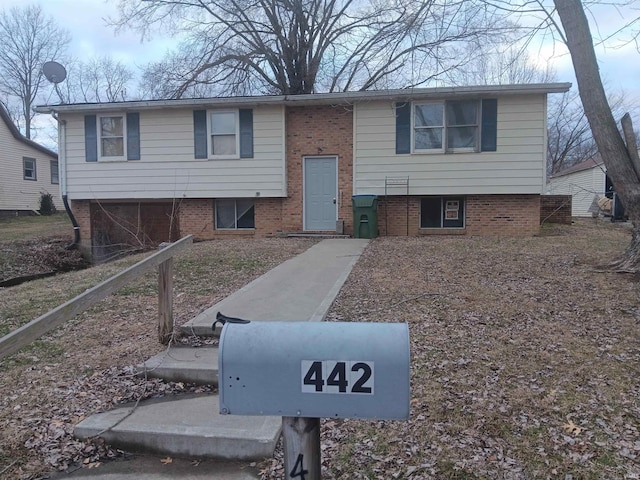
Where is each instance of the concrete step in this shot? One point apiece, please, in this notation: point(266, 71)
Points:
point(143, 467)
point(187, 426)
point(183, 364)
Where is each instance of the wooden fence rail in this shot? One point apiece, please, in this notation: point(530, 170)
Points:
point(33, 330)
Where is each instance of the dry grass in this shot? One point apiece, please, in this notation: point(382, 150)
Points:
point(29, 227)
point(525, 356)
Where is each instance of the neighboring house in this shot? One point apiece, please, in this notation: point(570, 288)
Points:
point(583, 181)
point(463, 160)
point(27, 170)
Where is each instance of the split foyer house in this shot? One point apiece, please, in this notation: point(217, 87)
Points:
point(27, 170)
point(456, 160)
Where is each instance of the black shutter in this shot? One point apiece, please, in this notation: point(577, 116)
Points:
point(200, 133)
point(403, 127)
point(90, 139)
point(133, 136)
point(246, 133)
point(489, 125)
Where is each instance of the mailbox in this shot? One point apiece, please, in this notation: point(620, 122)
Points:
point(315, 369)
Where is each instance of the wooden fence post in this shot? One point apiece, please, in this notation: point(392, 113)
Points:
point(301, 438)
point(165, 301)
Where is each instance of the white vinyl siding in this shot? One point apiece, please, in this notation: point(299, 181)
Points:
point(582, 186)
point(16, 193)
point(168, 168)
point(517, 167)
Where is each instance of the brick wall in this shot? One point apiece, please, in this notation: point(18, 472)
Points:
point(318, 131)
point(392, 215)
point(555, 209)
point(508, 215)
point(197, 218)
point(82, 212)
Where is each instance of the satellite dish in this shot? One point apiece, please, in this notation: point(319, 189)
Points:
point(54, 72)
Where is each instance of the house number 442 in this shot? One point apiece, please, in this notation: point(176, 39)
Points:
point(334, 376)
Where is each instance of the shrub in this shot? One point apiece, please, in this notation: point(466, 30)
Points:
point(47, 207)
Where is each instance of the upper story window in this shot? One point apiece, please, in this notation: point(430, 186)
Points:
point(446, 126)
point(29, 168)
point(55, 176)
point(223, 133)
point(111, 130)
point(112, 137)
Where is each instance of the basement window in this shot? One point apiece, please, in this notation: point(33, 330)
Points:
point(442, 212)
point(235, 214)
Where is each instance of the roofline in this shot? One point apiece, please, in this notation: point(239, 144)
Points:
point(314, 98)
point(21, 138)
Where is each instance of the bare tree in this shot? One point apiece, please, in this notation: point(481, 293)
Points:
point(500, 64)
point(619, 154)
point(100, 79)
point(569, 138)
point(28, 39)
point(306, 46)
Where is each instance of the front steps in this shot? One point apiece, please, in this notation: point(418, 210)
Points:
point(197, 365)
point(184, 425)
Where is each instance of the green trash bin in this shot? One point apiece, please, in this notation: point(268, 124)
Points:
point(365, 216)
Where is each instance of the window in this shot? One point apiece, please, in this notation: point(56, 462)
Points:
point(112, 140)
point(223, 134)
point(450, 126)
point(462, 125)
point(29, 168)
point(234, 214)
point(55, 177)
point(442, 212)
point(428, 126)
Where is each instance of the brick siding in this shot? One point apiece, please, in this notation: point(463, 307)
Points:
point(555, 209)
point(318, 131)
point(508, 215)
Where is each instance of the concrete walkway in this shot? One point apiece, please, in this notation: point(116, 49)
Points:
point(302, 288)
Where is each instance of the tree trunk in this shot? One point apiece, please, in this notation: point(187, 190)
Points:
point(613, 151)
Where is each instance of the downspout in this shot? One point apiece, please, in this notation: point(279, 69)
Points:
point(62, 166)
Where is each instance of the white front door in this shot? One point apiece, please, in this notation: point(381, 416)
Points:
point(320, 193)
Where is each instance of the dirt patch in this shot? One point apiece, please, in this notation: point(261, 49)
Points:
point(525, 356)
point(25, 258)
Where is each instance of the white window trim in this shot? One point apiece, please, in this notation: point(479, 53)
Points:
point(236, 114)
point(445, 130)
point(51, 162)
point(24, 169)
point(119, 158)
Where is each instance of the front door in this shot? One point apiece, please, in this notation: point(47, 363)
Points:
point(320, 193)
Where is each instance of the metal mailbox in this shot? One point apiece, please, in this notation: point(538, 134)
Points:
point(315, 369)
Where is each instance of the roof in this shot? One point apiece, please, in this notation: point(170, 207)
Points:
point(594, 162)
point(335, 98)
point(21, 138)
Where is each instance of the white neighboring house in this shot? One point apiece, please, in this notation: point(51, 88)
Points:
point(583, 182)
point(27, 170)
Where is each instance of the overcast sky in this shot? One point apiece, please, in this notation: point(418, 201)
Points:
point(85, 20)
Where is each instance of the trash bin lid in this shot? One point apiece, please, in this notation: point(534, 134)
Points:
point(364, 200)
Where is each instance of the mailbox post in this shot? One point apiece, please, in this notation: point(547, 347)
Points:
point(304, 371)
